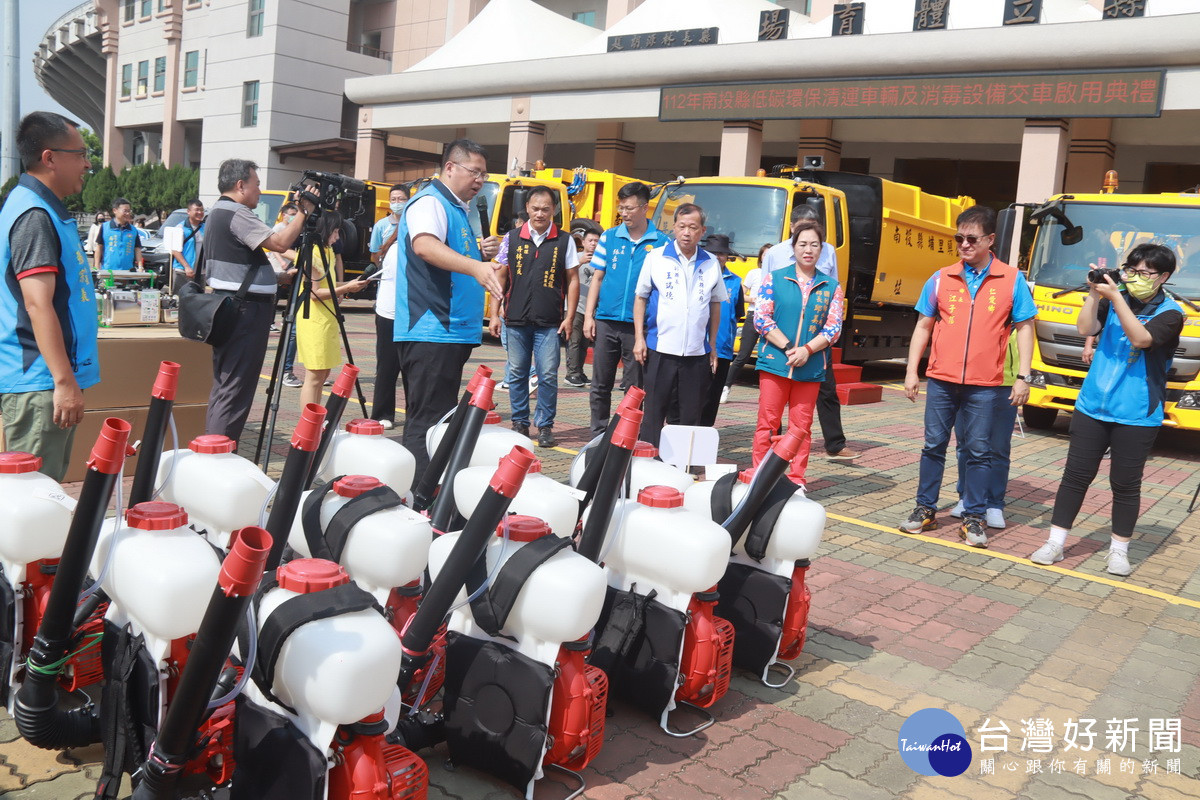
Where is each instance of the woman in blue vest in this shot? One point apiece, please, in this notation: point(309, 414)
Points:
point(1120, 406)
point(799, 316)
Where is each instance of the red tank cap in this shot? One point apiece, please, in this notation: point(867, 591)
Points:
point(523, 528)
point(644, 450)
point(15, 462)
point(660, 497)
point(493, 418)
point(155, 515)
point(166, 381)
point(212, 443)
point(365, 427)
point(746, 475)
point(354, 485)
point(308, 575)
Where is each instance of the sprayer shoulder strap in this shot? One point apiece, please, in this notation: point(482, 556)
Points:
point(310, 520)
point(491, 608)
point(359, 508)
point(759, 533)
point(721, 500)
point(297, 611)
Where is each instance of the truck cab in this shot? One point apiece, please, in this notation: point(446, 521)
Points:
point(1075, 233)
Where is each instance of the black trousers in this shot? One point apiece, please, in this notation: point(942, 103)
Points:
point(829, 412)
point(432, 374)
point(387, 371)
point(614, 343)
point(236, 367)
point(745, 350)
point(712, 402)
point(685, 377)
point(576, 348)
point(1129, 446)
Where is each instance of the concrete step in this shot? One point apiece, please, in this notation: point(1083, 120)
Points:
point(846, 373)
point(857, 394)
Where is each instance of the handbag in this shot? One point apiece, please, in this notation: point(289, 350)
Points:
point(207, 317)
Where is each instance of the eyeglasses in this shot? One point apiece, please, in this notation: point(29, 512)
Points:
point(971, 240)
point(1130, 272)
point(80, 152)
point(630, 209)
point(478, 174)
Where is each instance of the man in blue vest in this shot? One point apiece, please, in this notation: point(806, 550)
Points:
point(616, 264)
point(442, 272)
point(193, 236)
point(118, 245)
point(48, 315)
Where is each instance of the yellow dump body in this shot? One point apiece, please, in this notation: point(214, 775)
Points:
point(917, 239)
point(595, 195)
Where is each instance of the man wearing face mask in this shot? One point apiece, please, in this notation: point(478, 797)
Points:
point(384, 229)
point(1120, 405)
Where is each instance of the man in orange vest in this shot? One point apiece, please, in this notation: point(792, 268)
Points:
point(967, 310)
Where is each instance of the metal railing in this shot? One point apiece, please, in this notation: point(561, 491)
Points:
point(368, 50)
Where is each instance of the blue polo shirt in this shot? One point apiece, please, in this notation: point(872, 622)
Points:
point(1023, 306)
point(380, 231)
point(191, 238)
point(619, 259)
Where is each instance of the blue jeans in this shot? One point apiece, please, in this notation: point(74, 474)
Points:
point(530, 344)
point(1004, 416)
point(946, 405)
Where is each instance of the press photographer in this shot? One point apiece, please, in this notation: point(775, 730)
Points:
point(1120, 406)
point(234, 263)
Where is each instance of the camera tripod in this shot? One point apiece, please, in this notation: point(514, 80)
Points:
point(299, 298)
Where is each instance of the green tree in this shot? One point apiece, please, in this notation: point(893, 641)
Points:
point(95, 149)
point(100, 190)
point(8, 187)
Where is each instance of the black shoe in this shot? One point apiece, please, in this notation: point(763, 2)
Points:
point(546, 437)
point(521, 429)
point(923, 518)
point(973, 531)
point(578, 381)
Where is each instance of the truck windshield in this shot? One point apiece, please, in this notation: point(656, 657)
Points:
point(750, 216)
point(1110, 231)
point(268, 207)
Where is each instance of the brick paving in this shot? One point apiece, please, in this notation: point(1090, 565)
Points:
point(898, 624)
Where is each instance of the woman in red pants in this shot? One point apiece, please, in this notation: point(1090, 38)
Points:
point(799, 316)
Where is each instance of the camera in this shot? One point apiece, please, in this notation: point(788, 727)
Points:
point(333, 192)
point(1097, 275)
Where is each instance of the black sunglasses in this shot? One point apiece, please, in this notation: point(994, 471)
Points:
point(971, 240)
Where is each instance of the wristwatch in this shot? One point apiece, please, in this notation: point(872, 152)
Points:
point(1022, 378)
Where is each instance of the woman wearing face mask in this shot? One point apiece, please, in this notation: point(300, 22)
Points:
point(799, 316)
point(318, 345)
point(1120, 405)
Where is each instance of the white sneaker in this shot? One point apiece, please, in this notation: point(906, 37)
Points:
point(387, 424)
point(1047, 554)
point(533, 382)
point(995, 518)
point(958, 510)
point(724, 396)
point(1118, 563)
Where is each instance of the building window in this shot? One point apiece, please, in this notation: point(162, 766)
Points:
point(126, 80)
point(130, 9)
point(249, 104)
point(254, 23)
point(143, 83)
point(164, 5)
point(586, 17)
point(191, 68)
point(147, 7)
point(160, 73)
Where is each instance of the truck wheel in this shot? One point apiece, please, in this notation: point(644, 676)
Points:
point(1041, 419)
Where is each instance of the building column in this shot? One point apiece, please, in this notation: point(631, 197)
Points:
point(613, 153)
point(370, 154)
point(816, 139)
point(741, 148)
point(112, 136)
point(172, 130)
point(618, 10)
point(1090, 154)
point(1043, 163)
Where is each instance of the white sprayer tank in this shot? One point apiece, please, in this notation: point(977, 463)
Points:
point(384, 550)
point(362, 449)
point(332, 671)
point(37, 514)
point(539, 496)
point(222, 491)
point(494, 443)
point(663, 546)
point(644, 470)
point(796, 534)
point(160, 576)
point(560, 602)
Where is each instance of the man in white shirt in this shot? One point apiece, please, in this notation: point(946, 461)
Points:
point(676, 314)
point(829, 408)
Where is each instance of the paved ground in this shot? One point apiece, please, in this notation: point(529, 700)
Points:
point(899, 624)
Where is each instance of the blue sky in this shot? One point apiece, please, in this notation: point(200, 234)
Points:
point(35, 19)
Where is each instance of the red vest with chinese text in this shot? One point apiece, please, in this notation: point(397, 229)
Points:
point(970, 337)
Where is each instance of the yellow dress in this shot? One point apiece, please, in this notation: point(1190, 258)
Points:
point(317, 345)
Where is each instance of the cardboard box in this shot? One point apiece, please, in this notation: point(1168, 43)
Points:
point(129, 364)
point(189, 421)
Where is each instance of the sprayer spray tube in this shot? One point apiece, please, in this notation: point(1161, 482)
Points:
point(595, 462)
point(335, 406)
point(612, 475)
point(162, 400)
point(466, 551)
point(240, 574)
point(442, 512)
point(423, 491)
point(769, 471)
point(36, 712)
point(293, 480)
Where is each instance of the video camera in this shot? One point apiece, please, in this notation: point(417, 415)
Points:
point(332, 192)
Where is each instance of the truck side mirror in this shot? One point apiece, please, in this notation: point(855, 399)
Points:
point(1071, 235)
point(1008, 222)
